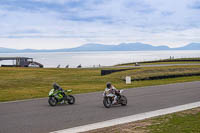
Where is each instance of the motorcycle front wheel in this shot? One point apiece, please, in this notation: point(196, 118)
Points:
point(107, 102)
point(71, 99)
point(52, 101)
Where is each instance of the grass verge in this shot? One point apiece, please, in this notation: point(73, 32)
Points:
point(150, 73)
point(181, 122)
point(26, 83)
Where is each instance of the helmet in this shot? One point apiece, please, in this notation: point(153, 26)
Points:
point(55, 86)
point(108, 85)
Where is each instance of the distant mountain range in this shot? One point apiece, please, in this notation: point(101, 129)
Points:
point(102, 47)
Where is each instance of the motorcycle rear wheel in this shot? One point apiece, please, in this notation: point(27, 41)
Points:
point(71, 99)
point(123, 100)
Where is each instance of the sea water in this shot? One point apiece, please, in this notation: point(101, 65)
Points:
point(99, 58)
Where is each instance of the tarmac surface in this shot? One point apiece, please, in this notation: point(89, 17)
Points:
point(159, 65)
point(36, 116)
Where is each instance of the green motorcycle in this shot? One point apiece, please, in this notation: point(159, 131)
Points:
point(60, 97)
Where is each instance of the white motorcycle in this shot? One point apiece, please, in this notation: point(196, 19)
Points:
point(109, 98)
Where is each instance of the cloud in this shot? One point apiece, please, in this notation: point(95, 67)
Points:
point(195, 5)
point(105, 21)
point(56, 1)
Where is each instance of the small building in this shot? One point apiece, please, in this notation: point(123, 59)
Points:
point(21, 62)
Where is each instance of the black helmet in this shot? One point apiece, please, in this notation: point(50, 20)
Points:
point(55, 86)
point(108, 85)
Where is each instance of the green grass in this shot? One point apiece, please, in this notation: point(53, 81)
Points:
point(148, 72)
point(176, 123)
point(26, 83)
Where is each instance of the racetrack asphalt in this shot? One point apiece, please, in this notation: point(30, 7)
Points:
point(158, 65)
point(36, 116)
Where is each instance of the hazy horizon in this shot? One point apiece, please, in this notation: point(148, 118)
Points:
point(95, 43)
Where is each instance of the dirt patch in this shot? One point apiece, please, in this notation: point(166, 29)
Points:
point(133, 127)
point(190, 111)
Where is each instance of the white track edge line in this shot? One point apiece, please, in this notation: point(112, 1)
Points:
point(128, 119)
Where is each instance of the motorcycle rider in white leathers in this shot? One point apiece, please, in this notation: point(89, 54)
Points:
point(110, 89)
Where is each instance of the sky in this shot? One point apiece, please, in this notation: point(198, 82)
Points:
point(54, 24)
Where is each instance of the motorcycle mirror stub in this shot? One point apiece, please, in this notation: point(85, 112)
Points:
point(128, 79)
